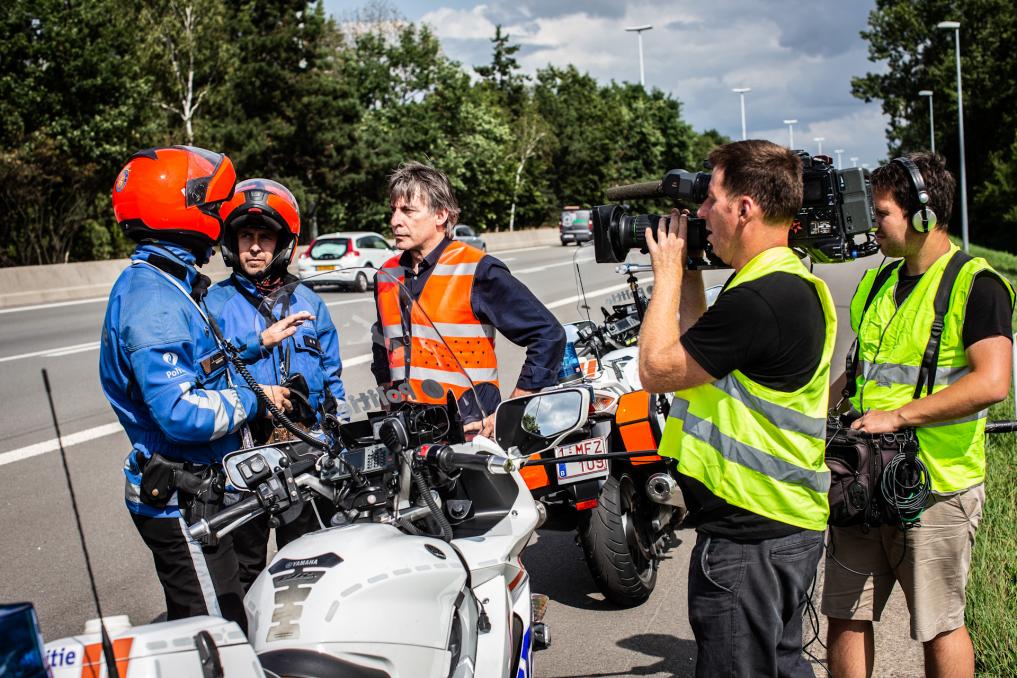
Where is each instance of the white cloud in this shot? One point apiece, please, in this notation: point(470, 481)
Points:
point(798, 56)
point(470, 24)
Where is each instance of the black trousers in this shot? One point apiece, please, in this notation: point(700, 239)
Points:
point(196, 580)
point(746, 600)
point(250, 540)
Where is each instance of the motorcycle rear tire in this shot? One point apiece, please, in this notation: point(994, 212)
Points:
point(616, 545)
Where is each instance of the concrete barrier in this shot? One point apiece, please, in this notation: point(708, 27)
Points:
point(26, 285)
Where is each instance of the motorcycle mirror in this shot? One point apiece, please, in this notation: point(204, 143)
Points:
point(534, 423)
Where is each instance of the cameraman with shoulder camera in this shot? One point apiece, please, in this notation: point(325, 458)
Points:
point(893, 313)
point(747, 426)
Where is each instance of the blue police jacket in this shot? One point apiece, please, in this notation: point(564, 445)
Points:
point(313, 351)
point(163, 371)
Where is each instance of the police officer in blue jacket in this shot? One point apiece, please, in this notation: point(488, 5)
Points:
point(166, 376)
point(284, 328)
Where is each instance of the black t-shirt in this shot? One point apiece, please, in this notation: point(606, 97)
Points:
point(989, 310)
point(772, 330)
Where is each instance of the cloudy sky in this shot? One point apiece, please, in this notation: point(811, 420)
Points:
point(797, 56)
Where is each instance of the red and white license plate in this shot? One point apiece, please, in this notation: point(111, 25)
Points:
point(573, 471)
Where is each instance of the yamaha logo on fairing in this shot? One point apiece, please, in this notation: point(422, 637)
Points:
point(293, 581)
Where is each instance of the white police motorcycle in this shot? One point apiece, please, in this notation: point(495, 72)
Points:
point(418, 573)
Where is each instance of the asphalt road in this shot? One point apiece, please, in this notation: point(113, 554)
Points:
point(41, 559)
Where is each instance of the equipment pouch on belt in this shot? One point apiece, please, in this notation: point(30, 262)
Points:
point(201, 496)
point(158, 479)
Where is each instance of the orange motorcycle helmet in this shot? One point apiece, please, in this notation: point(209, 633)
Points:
point(174, 194)
point(267, 204)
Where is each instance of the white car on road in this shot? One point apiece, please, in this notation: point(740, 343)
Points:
point(348, 259)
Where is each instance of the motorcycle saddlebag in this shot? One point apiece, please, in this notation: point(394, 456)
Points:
point(638, 425)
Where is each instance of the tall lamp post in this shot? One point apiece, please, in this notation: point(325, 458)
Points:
point(955, 27)
point(740, 91)
point(638, 30)
point(932, 124)
point(791, 133)
point(839, 152)
point(819, 141)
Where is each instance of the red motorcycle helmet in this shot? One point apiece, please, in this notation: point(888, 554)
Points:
point(267, 204)
point(174, 194)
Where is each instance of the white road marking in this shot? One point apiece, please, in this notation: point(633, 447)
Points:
point(55, 304)
point(55, 352)
point(52, 445)
point(534, 269)
point(350, 301)
point(522, 249)
point(592, 293)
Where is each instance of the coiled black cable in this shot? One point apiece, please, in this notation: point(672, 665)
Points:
point(905, 486)
point(233, 355)
point(277, 414)
point(425, 492)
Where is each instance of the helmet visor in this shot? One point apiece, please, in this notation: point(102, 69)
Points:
point(211, 180)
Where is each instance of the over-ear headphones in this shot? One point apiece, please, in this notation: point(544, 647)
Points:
point(922, 218)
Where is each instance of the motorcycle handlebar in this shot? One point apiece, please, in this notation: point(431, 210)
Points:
point(1001, 426)
point(449, 460)
point(203, 528)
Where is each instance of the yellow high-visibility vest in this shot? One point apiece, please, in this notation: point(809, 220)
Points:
point(756, 447)
point(891, 344)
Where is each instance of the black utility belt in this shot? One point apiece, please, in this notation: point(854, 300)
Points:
point(160, 477)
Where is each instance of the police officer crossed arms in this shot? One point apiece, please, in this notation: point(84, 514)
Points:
point(283, 330)
point(163, 371)
point(972, 372)
point(747, 426)
point(466, 294)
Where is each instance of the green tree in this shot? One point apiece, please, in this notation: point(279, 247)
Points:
point(74, 103)
point(903, 34)
point(186, 56)
point(282, 113)
point(502, 74)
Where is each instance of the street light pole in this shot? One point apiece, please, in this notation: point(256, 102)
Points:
point(819, 141)
point(740, 91)
point(955, 27)
point(932, 124)
point(791, 133)
point(638, 30)
point(839, 152)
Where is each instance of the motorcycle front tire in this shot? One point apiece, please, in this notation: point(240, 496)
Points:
point(616, 544)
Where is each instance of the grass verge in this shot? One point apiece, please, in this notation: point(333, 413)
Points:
point(992, 586)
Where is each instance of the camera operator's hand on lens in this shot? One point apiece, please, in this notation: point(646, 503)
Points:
point(667, 247)
point(279, 395)
point(287, 327)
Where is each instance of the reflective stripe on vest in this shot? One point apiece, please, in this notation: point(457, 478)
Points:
point(754, 447)
point(447, 341)
point(892, 342)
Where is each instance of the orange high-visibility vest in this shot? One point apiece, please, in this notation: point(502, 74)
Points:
point(445, 306)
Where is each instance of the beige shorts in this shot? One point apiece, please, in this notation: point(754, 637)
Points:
point(933, 572)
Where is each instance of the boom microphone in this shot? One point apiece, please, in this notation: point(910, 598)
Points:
point(647, 189)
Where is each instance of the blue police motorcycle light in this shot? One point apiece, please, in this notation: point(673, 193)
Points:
point(21, 650)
